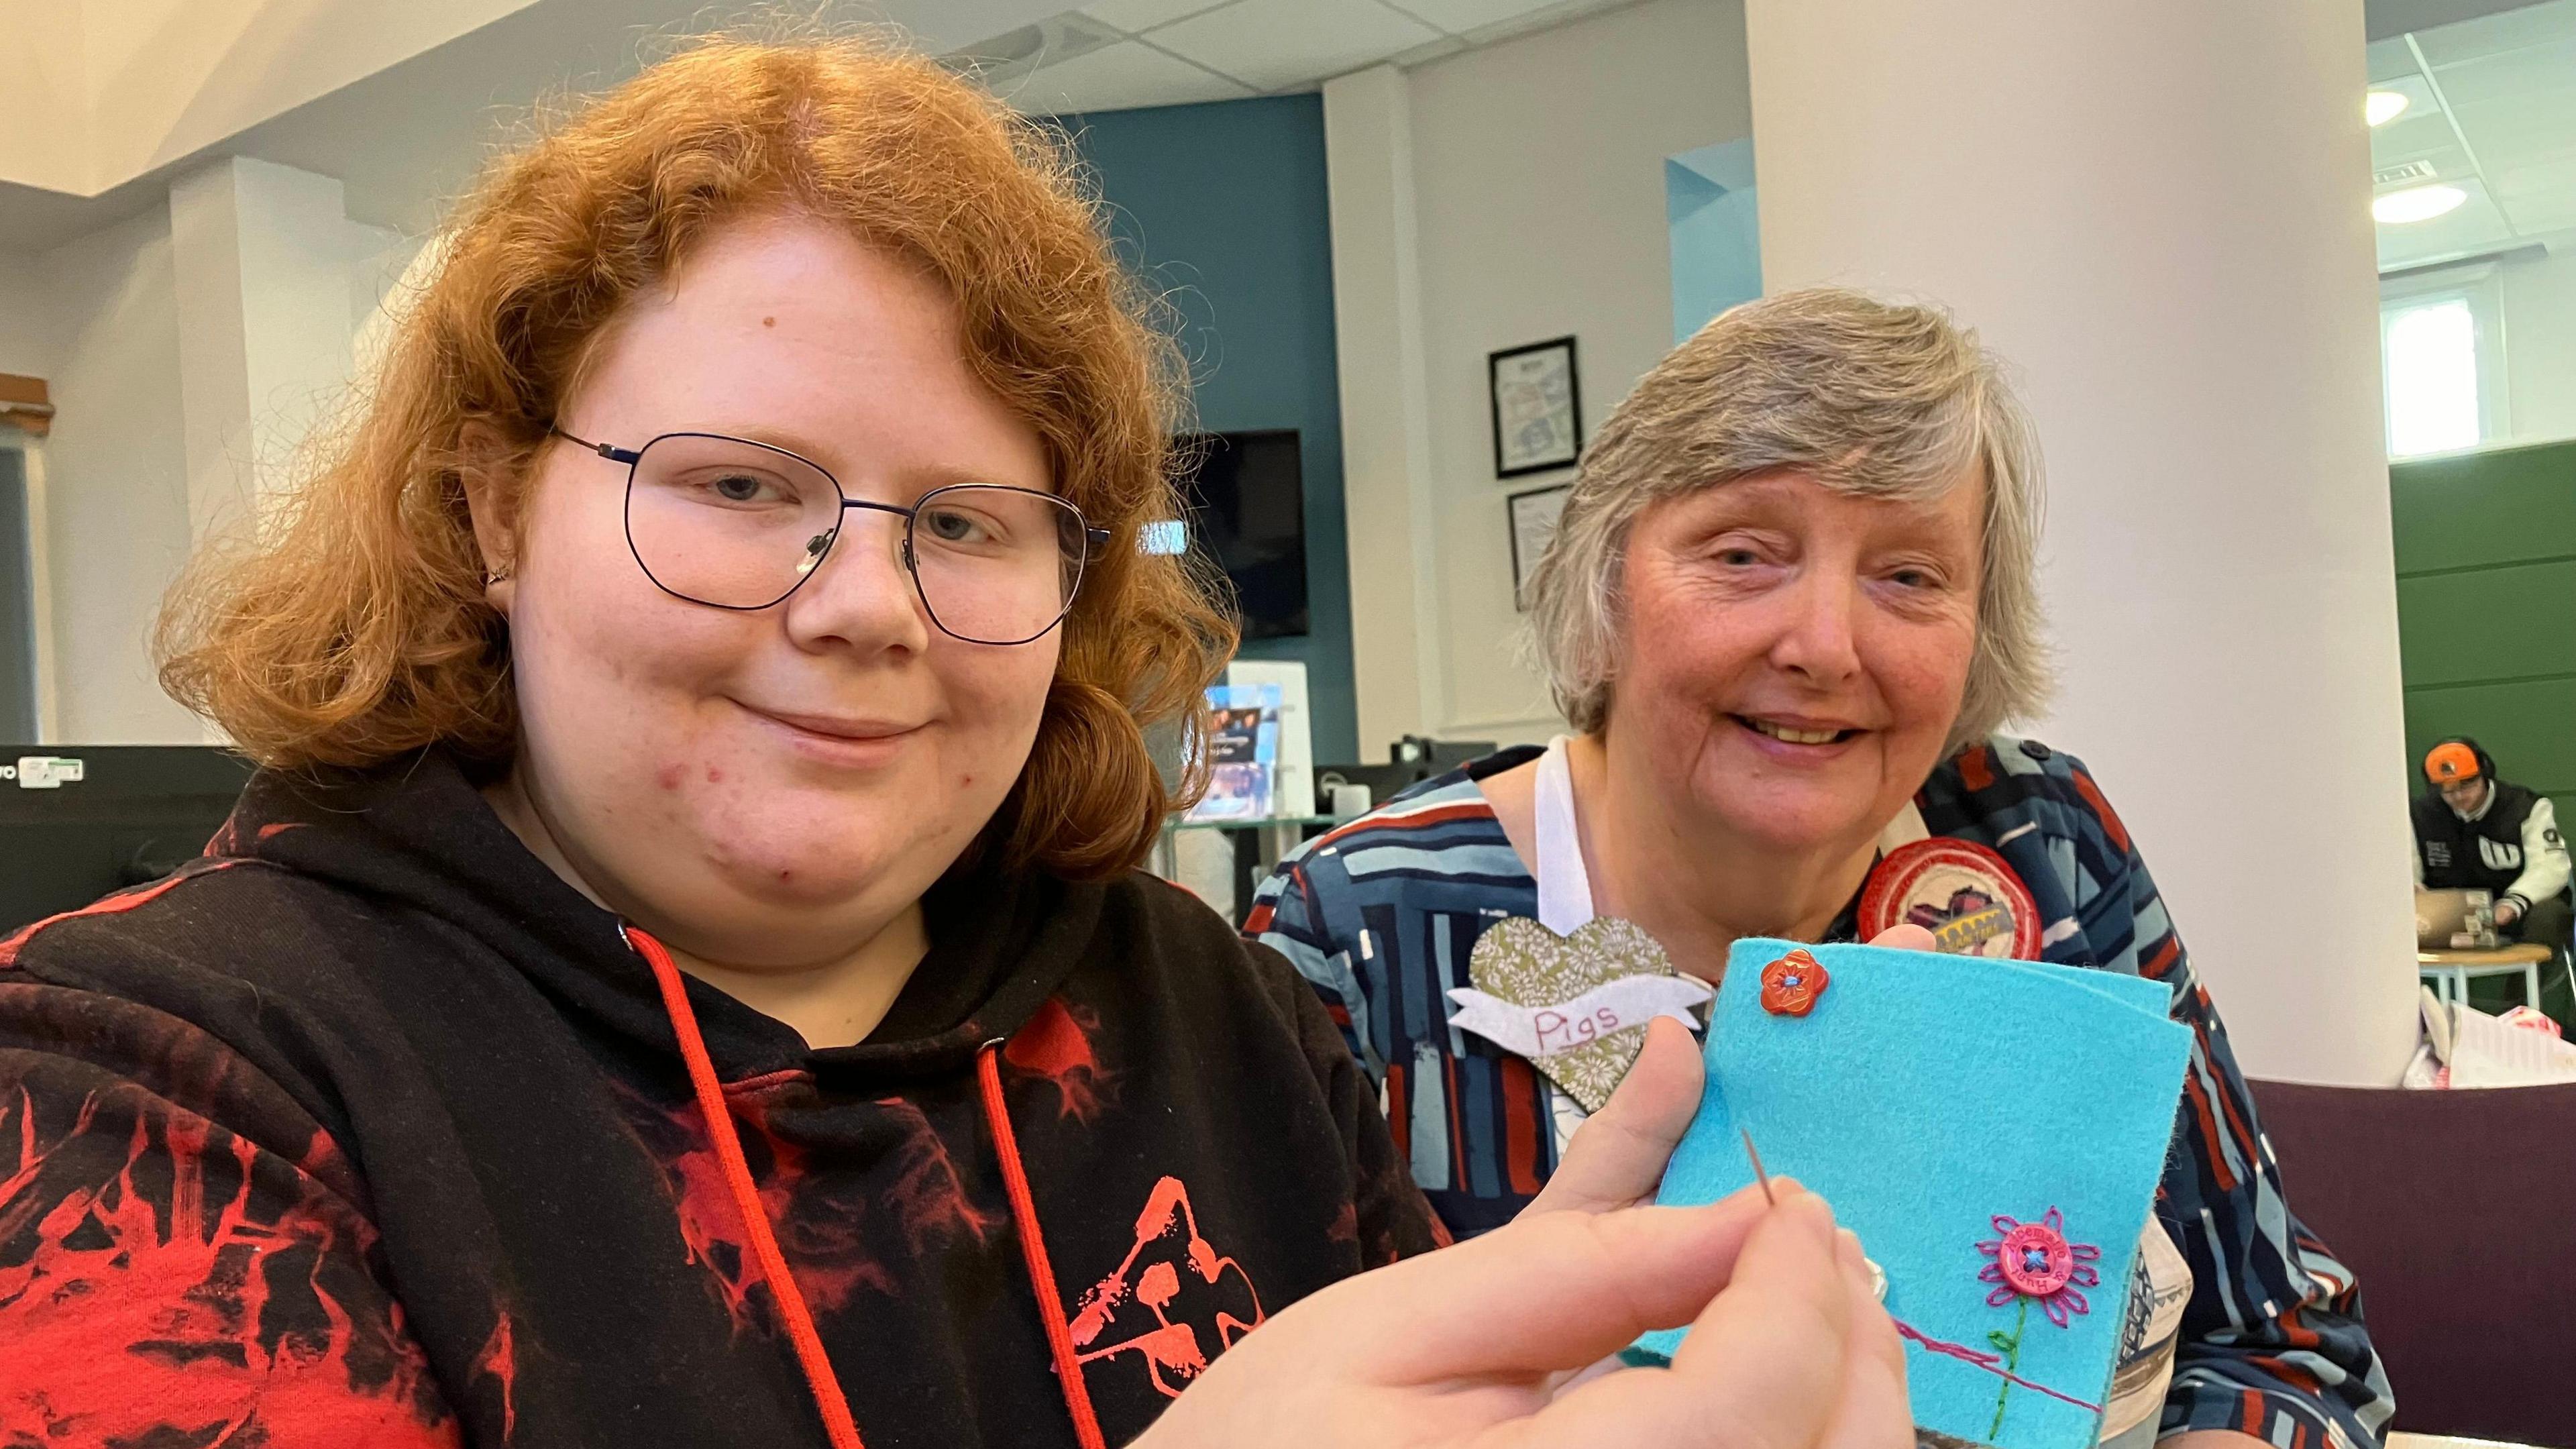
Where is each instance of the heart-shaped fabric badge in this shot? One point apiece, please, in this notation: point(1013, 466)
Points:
point(1575, 1006)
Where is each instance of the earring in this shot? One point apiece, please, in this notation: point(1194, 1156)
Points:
point(494, 576)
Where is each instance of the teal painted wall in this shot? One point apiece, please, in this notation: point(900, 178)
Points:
point(1714, 224)
point(2486, 609)
point(1223, 209)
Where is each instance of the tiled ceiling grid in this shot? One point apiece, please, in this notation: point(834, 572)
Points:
point(2491, 101)
point(1115, 54)
point(2491, 109)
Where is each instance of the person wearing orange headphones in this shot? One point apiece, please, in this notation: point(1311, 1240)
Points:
point(2476, 831)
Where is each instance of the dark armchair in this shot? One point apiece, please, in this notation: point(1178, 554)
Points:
point(2457, 1211)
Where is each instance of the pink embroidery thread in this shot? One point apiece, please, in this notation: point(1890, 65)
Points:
point(2033, 1262)
point(1991, 1363)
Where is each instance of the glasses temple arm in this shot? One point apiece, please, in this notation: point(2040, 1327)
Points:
point(610, 451)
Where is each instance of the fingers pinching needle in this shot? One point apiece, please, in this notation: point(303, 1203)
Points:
point(1877, 1274)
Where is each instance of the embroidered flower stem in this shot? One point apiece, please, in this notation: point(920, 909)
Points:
point(2009, 1345)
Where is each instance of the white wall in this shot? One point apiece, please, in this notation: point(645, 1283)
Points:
point(1537, 189)
point(116, 480)
point(100, 318)
point(263, 256)
point(26, 316)
point(101, 321)
point(380, 286)
point(45, 102)
point(2540, 344)
point(1387, 499)
point(100, 91)
point(2079, 182)
point(167, 77)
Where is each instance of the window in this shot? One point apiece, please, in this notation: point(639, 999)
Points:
point(2431, 352)
point(2441, 355)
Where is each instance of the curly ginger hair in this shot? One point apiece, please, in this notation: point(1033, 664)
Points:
point(354, 629)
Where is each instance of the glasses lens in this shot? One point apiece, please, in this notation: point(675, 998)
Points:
point(727, 522)
point(997, 565)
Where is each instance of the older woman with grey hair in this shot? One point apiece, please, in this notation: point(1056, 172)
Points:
point(1789, 603)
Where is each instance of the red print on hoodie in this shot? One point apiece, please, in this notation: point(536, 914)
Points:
point(163, 1305)
point(818, 1228)
point(1173, 1303)
point(1056, 1045)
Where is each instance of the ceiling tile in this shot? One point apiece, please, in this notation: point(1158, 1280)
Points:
point(1136, 15)
point(1545, 17)
point(1274, 44)
point(1460, 16)
point(2509, 82)
point(2388, 58)
point(1116, 78)
point(2412, 137)
point(2495, 34)
point(2521, 130)
point(2537, 70)
point(999, 61)
point(2539, 198)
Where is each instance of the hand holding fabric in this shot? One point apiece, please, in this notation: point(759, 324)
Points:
point(1487, 1343)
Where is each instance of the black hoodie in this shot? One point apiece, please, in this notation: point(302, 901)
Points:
point(368, 1129)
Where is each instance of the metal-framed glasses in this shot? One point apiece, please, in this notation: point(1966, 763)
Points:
point(735, 524)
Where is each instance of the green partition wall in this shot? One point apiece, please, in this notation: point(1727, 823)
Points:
point(2486, 608)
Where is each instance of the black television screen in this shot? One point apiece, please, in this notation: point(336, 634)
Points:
point(1247, 503)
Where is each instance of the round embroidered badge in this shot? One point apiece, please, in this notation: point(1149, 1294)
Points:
point(1962, 892)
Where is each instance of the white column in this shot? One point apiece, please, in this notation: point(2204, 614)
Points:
point(261, 254)
point(1396, 658)
point(2159, 212)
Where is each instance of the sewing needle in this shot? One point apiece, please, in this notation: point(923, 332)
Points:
point(1759, 1175)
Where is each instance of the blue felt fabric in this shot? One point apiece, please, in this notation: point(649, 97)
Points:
point(1926, 1094)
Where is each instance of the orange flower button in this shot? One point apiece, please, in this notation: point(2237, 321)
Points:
point(1791, 984)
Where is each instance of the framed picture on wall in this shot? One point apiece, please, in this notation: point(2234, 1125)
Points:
point(1534, 515)
point(1538, 407)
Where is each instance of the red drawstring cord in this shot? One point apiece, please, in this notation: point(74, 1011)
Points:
point(826, 1386)
point(819, 1377)
point(1024, 1211)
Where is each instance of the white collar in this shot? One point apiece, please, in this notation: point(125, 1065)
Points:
point(2485, 805)
point(1565, 886)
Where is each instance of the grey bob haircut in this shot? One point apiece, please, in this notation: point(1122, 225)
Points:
point(1873, 399)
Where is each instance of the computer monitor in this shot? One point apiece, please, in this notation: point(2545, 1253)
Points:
point(79, 821)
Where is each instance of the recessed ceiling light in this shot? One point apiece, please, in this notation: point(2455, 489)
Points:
point(2382, 107)
point(2417, 203)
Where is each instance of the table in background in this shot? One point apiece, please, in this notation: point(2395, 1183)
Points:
point(2451, 971)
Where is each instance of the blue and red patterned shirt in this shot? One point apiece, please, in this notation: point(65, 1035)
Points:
point(1382, 914)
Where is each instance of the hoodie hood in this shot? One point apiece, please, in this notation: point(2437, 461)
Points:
point(418, 835)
